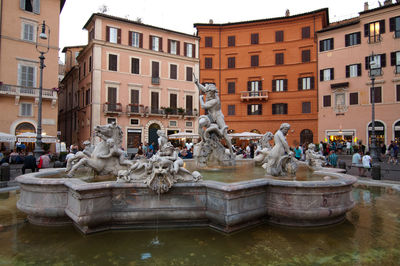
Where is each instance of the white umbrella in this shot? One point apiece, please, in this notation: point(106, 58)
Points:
point(184, 135)
point(246, 135)
point(4, 137)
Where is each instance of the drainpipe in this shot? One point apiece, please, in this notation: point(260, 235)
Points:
point(219, 68)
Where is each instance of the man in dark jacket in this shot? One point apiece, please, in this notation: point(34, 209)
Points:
point(29, 163)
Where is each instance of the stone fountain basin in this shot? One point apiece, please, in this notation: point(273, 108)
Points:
point(94, 207)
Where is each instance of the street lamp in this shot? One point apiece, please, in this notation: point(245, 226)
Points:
point(374, 70)
point(42, 46)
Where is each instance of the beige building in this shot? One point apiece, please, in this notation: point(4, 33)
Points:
point(136, 75)
point(344, 76)
point(20, 22)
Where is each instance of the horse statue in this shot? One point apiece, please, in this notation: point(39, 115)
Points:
point(107, 157)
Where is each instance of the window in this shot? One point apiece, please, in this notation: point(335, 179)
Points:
point(394, 25)
point(254, 87)
point(306, 83)
point(305, 56)
point(254, 109)
point(208, 62)
point(254, 38)
point(91, 34)
point(155, 69)
point(353, 98)
point(154, 102)
point(189, 104)
point(189, 124)
point(189, 74)
point(395, 61)
point(111, 120)
point(398, 93)
point(306, 107)
point(376, 64)
point(378, 94)
point(135, 66)
point(352, 39)
point(26, 76)
point(254, 60)
point(231, 87)
point(374, 30)
point(327, 101)
point(112, 62)
point(28, 32)
point(90, 63)
point(173, 102)
point(305, 32)
point(189, 50)
point(353, 70)
point(84, 69)
point(326, 74)
point(231, 62)
point(87, 97)
point(173, 123)
point(155, 43)
point(173, 47)
point(279, 109)
point(279, 36)
point(173, 71)
point(135, 39)
point(326, 45)
point(231, 41)
point(279, 84)
point(134, 121)
point(208, 41)
point(30, 6)
point(113, 35)
point(25, 109)
point(134, 104)
point(279, 59)
point(231, 109)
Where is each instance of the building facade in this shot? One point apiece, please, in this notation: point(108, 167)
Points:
point(265, 71)
point(136, 75)
point(345, 52)
point(19, 66)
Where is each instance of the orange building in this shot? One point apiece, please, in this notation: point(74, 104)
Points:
point(265, 71)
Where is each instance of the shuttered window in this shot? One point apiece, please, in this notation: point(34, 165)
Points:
point(279, 59)
point(305, 32)
point(155, 69)
point(208, 62)
point(231, 87)
point(231, 41)
point(112, 62)
point(306, 107)
point(279, 85)
point(254, 109)
point(208, 42)
point(327, 101)
point(305, 56)
point(280, 109)
point(254, 38)
point(135, 67)
point(279, 36)
point(173, 101)
point(30, 5)
point(173, 71)
point(353, 70)
point(231, 62)
point(231, 109)
point(326, 45)
point(353, 98)
point(135, 39)
point(189, 74)
point(254, 60)
point(26, 76)
point(378, 94)
point(26, 109)
point(28, 32)
point(352, 39)
point(189, 104)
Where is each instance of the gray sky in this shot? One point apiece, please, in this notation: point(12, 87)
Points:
point(180, 15)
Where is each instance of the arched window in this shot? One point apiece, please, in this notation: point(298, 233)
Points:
point(306, 136)
point(24, 127)
point(153, 137)
point(379, 132)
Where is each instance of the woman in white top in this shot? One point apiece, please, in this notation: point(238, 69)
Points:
point(366, 161)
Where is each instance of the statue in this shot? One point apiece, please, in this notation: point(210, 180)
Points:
point(280, 159)
point(212, 129)
point(265, 144)
point(313, 158)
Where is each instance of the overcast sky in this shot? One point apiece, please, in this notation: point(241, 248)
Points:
point(180, 15)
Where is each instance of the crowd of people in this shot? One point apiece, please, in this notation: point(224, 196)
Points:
point(27, 159)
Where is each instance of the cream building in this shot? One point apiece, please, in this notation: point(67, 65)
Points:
point(344, 76)
point(136, 75)
point(19, 66)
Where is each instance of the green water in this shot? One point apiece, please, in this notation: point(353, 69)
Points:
point(369, 236)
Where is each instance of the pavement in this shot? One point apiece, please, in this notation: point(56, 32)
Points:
point(389, 172)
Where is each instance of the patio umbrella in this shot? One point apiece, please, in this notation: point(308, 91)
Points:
point(246, 135)
point(183, 135)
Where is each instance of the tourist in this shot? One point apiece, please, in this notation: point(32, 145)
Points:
point(1, 157)
point(297, 152)
point(356, 161)
point(383, 150)
point(145, 147)
point(29, 163)
point(366, 163)
point(332, 158)
point(13, 156)
point(44, 161)
point(149, 153)
point(348, 147)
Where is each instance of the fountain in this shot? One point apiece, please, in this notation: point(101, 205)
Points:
point(161, 189)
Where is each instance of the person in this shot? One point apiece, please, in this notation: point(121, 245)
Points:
point(348, 147)
point(145, 147)
point(383, 150)
point(1, 157)
point(13, 156)
point(252, 150)
point(356, 161)
point(151, 147)
point(332, 158)
point(297, 152)
point(149, 153)
point(395, 152)
point(44, 161)
point(29, 163)
point(366, 162)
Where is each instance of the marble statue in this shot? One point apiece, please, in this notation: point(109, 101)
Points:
point(313, 158)
point(212, 129)
point(265, 144)
point(280, 160)
point(159, 173)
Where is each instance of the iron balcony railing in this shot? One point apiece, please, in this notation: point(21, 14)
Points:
point(254, 95)
point(14, 90)
point(132, 109)
point(155, 80)
point(112, 108)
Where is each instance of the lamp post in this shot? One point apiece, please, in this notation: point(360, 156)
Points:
point(376, 168)
point(42, 48)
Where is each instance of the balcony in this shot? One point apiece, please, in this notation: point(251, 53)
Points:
point(112, 108)
point(374, 38)
point(156, 111)
point(155, 80)
point(191, 113)
point(253, 95)
point(18, 91)
point(133, 109)
point(375, 72)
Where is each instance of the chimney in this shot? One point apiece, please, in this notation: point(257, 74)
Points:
point(387, 2)
point(211, 21)
point(365, 6)
point(287, 13)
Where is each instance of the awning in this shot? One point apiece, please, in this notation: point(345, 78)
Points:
point(31, 137)
point(246, 135)
point(4, 137)
point(183, 135)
